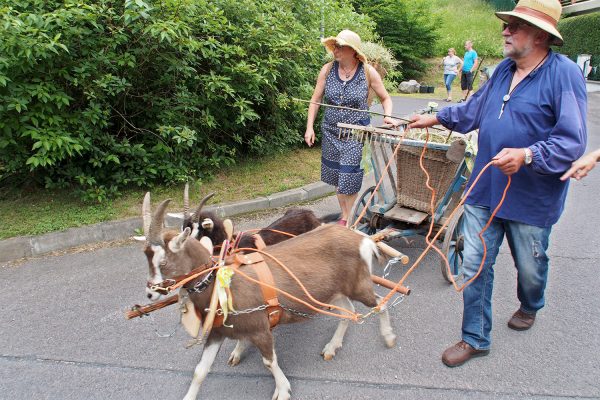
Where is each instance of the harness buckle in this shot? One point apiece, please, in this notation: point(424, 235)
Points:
point(163, 287)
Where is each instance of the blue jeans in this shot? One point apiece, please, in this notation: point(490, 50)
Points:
point(528, 245)
point(448, 78)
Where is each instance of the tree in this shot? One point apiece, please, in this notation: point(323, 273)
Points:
point(407, 28)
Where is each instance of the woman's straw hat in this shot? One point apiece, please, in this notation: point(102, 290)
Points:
point(541, 13)
point(345, 38)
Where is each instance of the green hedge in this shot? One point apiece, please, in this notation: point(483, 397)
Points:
point(582, 36)
point(95, 96)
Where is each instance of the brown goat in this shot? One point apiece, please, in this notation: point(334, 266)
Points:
point(333, 262)
point(295, 221)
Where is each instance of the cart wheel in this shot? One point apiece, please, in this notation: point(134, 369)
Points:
point(453, 246)
point(368, 222)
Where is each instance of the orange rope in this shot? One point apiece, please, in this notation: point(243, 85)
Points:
point(385, 170)
point(430, 243)
point(272, 230)
point(432, 205)
point(352, 315)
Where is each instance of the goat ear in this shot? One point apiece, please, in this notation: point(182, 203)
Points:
point(207, 243)
point(228, 228)
point(176, 244)
point(208, 224)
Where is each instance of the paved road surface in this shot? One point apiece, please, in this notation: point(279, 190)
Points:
point(63, 335)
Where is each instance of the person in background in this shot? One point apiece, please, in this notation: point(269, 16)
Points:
point(581, 167)
point(532, 126)
point(469, 67)
point(345, 82)
point(451, 64)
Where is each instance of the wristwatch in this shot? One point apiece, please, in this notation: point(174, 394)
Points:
point(528, 155)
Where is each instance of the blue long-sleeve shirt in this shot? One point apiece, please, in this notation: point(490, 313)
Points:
point(547, 113)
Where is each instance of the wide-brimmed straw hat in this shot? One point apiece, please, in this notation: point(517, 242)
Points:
point(543, 14)
point(345, 38)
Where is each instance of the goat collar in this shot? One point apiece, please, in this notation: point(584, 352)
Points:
point(166, 286)
point(199, 287)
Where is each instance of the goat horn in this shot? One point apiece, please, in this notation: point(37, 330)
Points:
point(157, 223)
point(196, 215)
point(146, 215)
point(186, 201)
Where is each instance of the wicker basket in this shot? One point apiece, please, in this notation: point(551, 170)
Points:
point(410, 182)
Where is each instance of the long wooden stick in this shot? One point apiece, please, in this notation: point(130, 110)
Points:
point(139, 311)
point(357, 109)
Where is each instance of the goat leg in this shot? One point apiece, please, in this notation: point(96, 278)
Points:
point(211, 348)
point(263, 340)
point(385, 327)
point(337, 340)
point(236, 354)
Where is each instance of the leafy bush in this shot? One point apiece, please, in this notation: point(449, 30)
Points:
point(407, 28)
point(581, 34)
point(99, 95)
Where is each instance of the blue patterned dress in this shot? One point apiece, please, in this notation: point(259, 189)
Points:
point(340, 160)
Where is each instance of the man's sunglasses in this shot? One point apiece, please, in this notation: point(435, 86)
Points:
point(339, 46)
point(514, 26)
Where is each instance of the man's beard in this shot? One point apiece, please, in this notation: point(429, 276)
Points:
point(514, 53)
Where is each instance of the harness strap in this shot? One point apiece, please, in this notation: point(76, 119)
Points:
point(256, 261)
point(259, 242)
point(270, 295)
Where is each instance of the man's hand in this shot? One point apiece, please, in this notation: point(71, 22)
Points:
point(509, 160)
point(423, 121)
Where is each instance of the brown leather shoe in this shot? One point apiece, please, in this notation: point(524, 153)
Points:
point(521, 321)
point(460, 353)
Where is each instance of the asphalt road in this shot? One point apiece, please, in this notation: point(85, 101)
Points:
point(63, 334)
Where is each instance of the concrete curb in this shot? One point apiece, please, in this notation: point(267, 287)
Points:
point(31, 246)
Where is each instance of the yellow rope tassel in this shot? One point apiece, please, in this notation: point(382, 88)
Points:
point(224, 276)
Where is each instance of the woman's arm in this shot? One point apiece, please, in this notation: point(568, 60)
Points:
point(313, 109)
point(382, 93)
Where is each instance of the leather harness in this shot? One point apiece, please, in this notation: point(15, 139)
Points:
point(264, 275)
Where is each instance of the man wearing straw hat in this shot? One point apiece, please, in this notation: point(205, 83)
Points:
point(531, 117)
point(344, 83)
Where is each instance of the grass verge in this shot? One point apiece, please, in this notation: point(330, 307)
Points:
point(36, 212)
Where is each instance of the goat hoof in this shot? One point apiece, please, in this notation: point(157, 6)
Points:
point(283, 395)
point(328, 353)
point(234, 360)
point(390, 341)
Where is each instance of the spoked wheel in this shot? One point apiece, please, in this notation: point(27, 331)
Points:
point(370, 220)
point(453, 247)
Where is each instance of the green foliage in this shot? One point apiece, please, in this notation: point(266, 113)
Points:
point(96, 96)
point(502, 5)
point(468, 20)
point(581, 34)
point(407, 28)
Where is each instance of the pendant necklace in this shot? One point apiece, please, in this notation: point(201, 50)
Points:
point(346, 73)
point(506, 97)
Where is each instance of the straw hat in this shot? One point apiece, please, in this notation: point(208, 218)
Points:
point(345, 38)
point(543, 14)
